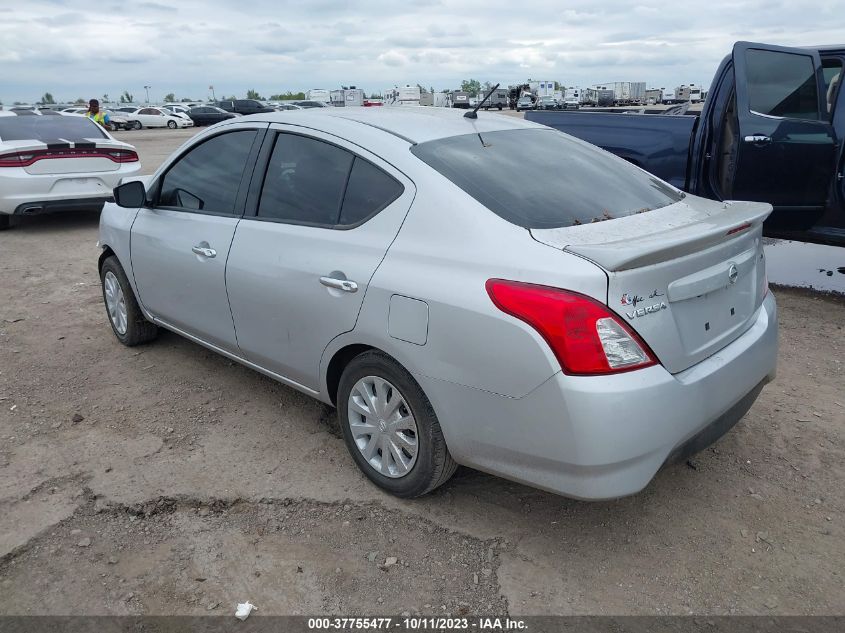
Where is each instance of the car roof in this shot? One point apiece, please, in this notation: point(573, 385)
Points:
point(411, 123)
point(24, 112)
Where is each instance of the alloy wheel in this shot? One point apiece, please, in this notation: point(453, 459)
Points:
point(115, 302)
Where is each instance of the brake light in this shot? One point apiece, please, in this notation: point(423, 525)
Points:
point(739, 229)
point(585, 336)
point(27, 158)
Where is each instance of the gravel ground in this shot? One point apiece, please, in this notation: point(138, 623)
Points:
point(169, 480)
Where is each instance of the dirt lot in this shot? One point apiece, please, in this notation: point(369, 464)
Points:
point(169, 480)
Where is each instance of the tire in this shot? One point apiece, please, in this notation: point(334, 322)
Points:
point(137, 329)
point(171, 125)
point(137, 125)
point(5, 221)
point(433, 464)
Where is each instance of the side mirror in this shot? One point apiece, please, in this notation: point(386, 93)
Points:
point(130, 195)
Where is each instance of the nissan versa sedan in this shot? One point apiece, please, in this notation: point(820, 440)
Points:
point(486, 292)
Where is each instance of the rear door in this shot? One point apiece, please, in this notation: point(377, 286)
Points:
point(180, 245)
point(321, 223)
point(786, 143)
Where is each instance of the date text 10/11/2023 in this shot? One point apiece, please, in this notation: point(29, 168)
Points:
point(416, 623)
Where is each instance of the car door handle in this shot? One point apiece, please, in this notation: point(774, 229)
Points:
point(204, 251)
point(758, 139)
point(339, 284)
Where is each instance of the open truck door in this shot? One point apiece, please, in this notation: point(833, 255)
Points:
point(786, 145)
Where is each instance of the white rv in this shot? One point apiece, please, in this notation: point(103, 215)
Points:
point(406, 95)
point(542, 88)
point(318, 94)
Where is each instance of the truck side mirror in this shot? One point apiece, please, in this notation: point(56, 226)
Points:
point(130, 195)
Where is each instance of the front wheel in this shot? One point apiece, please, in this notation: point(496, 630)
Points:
point(127, 321)
point(171, 125)
point(5, 221)
point(138, 125)
point(390, 427)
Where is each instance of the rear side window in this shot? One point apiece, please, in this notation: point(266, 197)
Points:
point(312, 182)
point(305, 181)
point(369, 191)
point(207, 178)
point(48, 128)
point(782, 84)
point(832, 81)
point(540, 179)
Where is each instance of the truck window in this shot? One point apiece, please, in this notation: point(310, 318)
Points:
point(782, 84)
point(832, 80)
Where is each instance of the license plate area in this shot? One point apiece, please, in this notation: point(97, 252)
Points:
point(704, 320)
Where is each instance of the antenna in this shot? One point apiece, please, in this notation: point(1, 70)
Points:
point(474, 113)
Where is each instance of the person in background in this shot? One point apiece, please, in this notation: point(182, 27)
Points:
point(96, 116)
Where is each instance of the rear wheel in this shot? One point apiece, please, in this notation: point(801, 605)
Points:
point(126, 319)
point(5, 221)
point(171, 125)
point(390, 427)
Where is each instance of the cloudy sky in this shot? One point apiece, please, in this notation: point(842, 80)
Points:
point(83, 49)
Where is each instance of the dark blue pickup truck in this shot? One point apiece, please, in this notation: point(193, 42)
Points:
point(771, 130)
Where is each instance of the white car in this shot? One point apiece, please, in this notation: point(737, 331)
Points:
point(178, 113)
point(51, 161)
point(156, 117)
point(175, 109)
point(117, 120)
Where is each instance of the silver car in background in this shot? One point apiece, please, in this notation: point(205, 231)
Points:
point(486, 292)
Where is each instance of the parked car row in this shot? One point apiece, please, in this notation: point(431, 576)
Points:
point(176, 116)
point(528, 102)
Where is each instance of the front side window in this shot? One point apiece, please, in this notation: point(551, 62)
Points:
point(540, 178)
point(207, 178)
point(782, 84)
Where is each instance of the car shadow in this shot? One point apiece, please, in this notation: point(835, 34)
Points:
point(472, 489)
point(55, 221)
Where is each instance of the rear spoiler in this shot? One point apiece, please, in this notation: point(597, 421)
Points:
point(658, 235)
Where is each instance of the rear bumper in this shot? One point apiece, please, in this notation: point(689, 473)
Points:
point(22, 193)
point(606, 437)
point(55, 206)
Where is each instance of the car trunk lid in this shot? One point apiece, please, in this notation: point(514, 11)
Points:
point(689, 278)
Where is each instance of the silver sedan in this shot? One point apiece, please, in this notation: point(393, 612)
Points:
point(486, 292)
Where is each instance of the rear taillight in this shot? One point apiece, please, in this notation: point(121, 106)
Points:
point(584, 335)
point(27, 158)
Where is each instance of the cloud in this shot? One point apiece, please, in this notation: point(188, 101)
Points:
point(392, 58)
point(185, 46)
point(154, 6)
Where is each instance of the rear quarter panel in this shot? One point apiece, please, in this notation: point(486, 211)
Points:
point(447, 249)
point(660, 144)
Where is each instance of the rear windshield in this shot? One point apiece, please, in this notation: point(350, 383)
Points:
point(541, 179)
point(48, 128)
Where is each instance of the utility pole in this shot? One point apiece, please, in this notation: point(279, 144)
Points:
point(213, 97)
point(147, 89)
